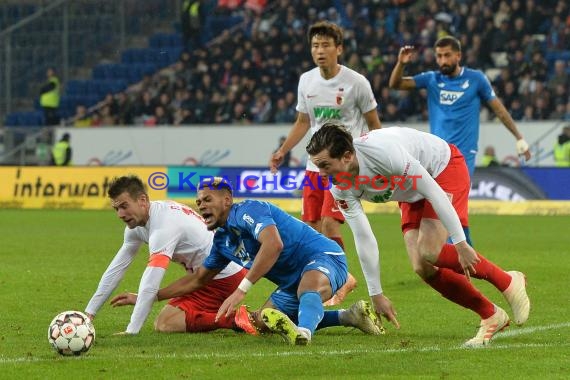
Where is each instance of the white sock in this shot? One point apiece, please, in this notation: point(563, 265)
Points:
point(306, 332)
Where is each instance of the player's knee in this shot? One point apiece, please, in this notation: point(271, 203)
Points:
point(422, 268)
point(165, 325)
point(330, 226)
point(428, 250)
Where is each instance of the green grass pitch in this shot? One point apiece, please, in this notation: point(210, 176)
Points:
point(53, 260)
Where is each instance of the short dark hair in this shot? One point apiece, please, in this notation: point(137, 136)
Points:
point(216, 183)
point(326, 29)
point(333, 137)
point(448, 41)
point(130, 184)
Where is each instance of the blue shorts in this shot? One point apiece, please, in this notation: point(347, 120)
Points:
point(332, 266)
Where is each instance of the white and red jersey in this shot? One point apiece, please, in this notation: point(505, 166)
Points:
point(173, 232)
point(395, 164)
point(394, 154)
point(345, 99)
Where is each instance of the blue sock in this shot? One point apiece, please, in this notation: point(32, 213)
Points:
point(467, 237)
point(330, 319)
point(311, 310)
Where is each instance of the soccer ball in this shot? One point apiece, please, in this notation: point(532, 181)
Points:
point(71, 333)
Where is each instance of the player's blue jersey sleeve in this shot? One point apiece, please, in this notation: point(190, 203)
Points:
point(254, 217)
point(215, 260)
point(422, 79)
point(484, 88)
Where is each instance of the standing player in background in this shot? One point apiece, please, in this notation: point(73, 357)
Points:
point(329, 92)
point(173, 232)
point(454, 100)
point(429, 179)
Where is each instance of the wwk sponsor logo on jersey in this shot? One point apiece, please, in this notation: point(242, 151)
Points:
point(327, 113)
point(449, 97)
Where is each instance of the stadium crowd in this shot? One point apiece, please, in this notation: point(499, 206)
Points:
point(250, 74)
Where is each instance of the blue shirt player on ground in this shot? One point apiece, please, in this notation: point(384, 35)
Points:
point(454, 99)
point(307, 267)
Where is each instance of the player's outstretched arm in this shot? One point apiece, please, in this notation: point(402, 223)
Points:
point(113, 275)
point(372, 120)
point(299, 130)
point(187, 284)
point(397, 79)
point(269, 251)
point(505, 117)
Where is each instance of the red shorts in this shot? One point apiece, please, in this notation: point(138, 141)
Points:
point(455, 182)
point(211, 296)
point(317, 200)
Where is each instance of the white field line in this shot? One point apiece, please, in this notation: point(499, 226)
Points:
point(530, 330)
point(301, 352)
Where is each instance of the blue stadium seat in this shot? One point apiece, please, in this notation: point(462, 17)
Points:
point(76, 87)
point(11, 119)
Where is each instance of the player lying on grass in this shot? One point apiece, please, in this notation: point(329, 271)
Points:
point(306, 266)
point(173, 232)
point(430, 179)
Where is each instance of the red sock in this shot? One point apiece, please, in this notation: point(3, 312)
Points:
point(201, 321)
point(339, 241)
point(456, 288)
point(486, 270)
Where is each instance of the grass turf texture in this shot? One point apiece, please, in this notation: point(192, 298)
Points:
point(52, 261)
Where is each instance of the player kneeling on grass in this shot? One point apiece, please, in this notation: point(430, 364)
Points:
point(173, 232)
point(429, 178)
point(306, 266)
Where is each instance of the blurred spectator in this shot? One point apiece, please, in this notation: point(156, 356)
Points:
point(124, 109)
point(284, 113)
point(192, 21)
point(144, 107)
point(81, 119)
point(49, 97)
point(107, 118)
point(560, 75)
point(161, 117)
point(489, 158)
point(562, 148)
point(61, 152)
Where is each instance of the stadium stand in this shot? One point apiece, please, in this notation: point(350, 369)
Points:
point(249, 70)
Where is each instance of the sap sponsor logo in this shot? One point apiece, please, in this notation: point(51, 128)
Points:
point(493, 190)
point(449, 97)
point(248, 219)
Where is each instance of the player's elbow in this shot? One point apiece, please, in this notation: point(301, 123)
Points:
point(395, 84)
point(277, 246)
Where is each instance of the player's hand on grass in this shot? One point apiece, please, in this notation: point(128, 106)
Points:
point(405, 54)
point(384, 308)
point(467, 258)
point(276, 160)
point(230, 304)
point(124, 299)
